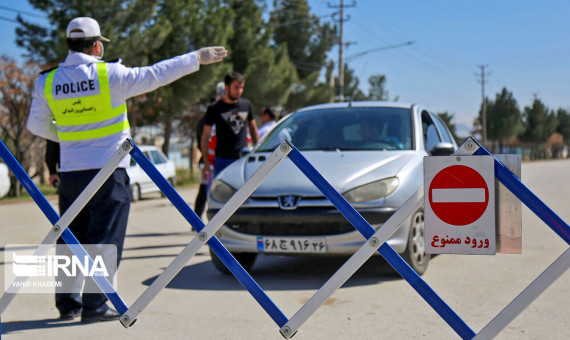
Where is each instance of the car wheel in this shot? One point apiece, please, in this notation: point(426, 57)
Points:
point(245, 259)
point(415, 253)
point(135, 192)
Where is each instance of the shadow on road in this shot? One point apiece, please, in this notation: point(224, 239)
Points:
point(16, 326)
point(281, 273)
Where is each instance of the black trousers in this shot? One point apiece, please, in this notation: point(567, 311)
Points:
point(201, 198)
point(102, 221)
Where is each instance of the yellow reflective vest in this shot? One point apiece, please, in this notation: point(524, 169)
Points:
point(85, 117)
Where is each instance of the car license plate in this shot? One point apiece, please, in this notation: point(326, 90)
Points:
point(291, 245)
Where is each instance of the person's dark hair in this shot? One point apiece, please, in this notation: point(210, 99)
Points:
point(80, 44)
point(231, 76)
point(269, 112)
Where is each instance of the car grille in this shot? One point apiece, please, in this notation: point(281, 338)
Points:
point(295, 229)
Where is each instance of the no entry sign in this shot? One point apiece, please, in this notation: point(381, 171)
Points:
point(458, 195)
point(459, 204)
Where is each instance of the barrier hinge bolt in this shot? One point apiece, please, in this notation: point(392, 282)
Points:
point(284, 147)
point(374, 242)
point(469, 146)
point(56, 229)
point(126, 145)
point(125, 320)
point(202, 236)
point(286, 331)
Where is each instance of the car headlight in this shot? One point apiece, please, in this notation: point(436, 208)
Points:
point(372, 191)
point(221, 191)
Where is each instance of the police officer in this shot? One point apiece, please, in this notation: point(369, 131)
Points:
point(81, 104)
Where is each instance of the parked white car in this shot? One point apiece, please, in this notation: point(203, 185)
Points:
point(4, 180)
point(140, 182)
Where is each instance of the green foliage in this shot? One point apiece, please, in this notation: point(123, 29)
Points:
point(539, 124)
point(47, 190)
point(268, 71)
point(503, 118)
point(351, 82)
point(308, 41)
point(377, 89)
point(185, 177)
point(143, 32)
point(448, 120)
point(250, 33)
point(563, 127)
point(309, 92)
point(269, 78)
point(123, 22)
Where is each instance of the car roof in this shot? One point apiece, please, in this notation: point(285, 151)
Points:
point(358, 104)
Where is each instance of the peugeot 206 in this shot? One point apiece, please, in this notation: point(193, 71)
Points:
point(370, 152)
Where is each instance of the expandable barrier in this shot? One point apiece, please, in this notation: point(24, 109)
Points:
point(376, 241)
point(60, 224)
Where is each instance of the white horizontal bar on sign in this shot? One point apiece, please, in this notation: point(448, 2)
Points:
point(458, 195)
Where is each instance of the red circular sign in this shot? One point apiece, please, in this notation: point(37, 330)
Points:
point(458, 195)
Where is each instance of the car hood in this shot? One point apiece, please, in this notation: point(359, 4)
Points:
point(344, 170)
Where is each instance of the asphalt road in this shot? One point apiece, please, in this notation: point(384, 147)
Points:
point(200, 303)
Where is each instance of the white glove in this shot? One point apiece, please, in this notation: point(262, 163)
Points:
point(209, 55)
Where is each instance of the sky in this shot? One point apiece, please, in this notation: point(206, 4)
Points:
point(524, 45)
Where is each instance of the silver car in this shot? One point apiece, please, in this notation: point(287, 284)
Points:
point(370, 152)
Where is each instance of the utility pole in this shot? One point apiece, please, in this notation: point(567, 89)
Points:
point(340, 48)
point(483, 81)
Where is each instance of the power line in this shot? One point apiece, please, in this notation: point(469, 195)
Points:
point(8, 19)
point(22, 12)
point(360, 54)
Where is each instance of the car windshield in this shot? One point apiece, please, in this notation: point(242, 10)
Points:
point(347, 128)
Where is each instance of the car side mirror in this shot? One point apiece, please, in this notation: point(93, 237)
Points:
point(442, 149)
point(245, 150)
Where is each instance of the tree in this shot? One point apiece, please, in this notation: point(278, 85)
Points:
point(125, 23)
point(309, 92)
point(142, 32)
point(186, 25)
point(250, 32)
point(269, 78)
point(503, 118)
point(351, 83)
point(563, 127)
point(539, 123)
point(268, 71)
point(307, 42)
point(448, 120)
point(377, 89)
point(16, 92)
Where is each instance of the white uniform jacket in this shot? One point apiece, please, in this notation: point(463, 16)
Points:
point(124, 82)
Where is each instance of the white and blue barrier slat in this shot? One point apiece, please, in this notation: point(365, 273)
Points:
point(526, 297)
point(535, 204)
point(62, 230)
point(540, 209)
point(427, 293)
point(206, 233)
